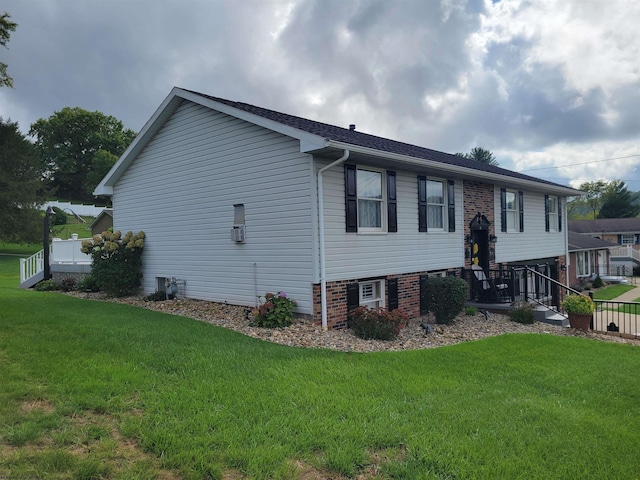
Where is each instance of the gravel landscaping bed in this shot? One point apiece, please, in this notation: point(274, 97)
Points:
point(305, 334)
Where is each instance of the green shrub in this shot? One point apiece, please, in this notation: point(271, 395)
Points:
point(597, 282)
point(445, 297)
point(46, 286)
point(470, 310)
point(523, 313)
point(276, 311)
point(88, 284)
point(117, 261)
point(581, 304)
point(67, 284)
point(58, 217)
point(156, 296)
point(379, 324)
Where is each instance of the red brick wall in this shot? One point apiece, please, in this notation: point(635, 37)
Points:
point(408, 298)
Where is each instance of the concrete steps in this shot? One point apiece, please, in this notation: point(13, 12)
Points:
point(550, 316)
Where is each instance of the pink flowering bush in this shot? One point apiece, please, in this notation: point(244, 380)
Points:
point(378, 324)
point(275, 311)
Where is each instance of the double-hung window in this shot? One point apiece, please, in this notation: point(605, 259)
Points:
point(552, 209)
point(582, 265)
point(628, 239)
point(370, 196)
point(435, 205)
point(511, 210)
point(370, 200)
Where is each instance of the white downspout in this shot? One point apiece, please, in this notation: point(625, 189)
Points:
point(323, 280)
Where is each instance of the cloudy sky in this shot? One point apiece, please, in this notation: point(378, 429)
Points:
point(551, 87)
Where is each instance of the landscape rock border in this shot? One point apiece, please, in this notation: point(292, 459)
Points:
point(306, 334)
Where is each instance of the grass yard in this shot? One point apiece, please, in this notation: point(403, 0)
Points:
point(612, 291)
point(104, 390)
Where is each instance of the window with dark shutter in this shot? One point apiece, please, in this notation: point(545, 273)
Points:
point(422, 204)
point(353, 296)
point(503, 209)
point(351, 198)
point(392, 292)
point(546, 213)
point(521, 208)
point(451, 205)
point(392, 209)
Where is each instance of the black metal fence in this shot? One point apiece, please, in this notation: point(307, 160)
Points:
point(617, 317)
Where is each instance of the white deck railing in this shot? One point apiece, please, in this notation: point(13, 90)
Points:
point(625, 251)
point(60, 252)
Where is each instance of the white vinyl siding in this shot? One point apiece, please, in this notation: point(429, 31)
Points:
point(182, 188)
point(350, 256)
point(534, 242)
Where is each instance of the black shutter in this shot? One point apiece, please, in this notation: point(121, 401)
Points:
point(392, 208)
point(424, 298)
point(353, 296)
point(351, 198)
point(392, 286)
point(559, 214)
point(451, 202)
point(546, 213)
point(521, 207)
point(422, 203)
point(503, 209)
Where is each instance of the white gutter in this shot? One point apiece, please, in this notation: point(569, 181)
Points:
point(323, 280)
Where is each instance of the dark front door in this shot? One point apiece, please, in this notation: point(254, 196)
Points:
point(480, 248)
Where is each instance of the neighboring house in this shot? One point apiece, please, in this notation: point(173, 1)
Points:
point(621, 231)
point(624, 232)
point(588, 256)
point(237, 200)
point(103, 222)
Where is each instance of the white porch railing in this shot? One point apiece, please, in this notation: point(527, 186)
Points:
point(30, 267)
point(61, 252)
point(625, 251)
point(69, 251)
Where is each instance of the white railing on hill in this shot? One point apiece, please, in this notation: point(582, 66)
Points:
point(625, 251)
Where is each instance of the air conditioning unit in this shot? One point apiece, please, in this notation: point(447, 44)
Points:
point(237, 234)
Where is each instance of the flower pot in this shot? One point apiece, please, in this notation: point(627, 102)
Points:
point(580, 321)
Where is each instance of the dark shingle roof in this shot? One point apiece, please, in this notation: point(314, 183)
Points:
point(353, 137)
point(607, 225)
point(579, 241)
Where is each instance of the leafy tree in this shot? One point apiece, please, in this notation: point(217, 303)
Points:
point(481, 155)
point(77, 146)
point(617, 202)
point(21, 187)
point(593, 195)
point(6, 27)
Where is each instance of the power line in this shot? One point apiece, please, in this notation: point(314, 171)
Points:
point(583, 163)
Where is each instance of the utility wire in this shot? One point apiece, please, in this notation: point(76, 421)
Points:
point(583, 163)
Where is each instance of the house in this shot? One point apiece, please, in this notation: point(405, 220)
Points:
point(624, 232)
point(237, 200)
point(588, 256)
point(103, 222)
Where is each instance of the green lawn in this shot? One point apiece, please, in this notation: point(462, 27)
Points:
point(103, 390)
point(612, 291)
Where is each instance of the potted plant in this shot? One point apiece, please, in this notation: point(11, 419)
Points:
point(580, 309)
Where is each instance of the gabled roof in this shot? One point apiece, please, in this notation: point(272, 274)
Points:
point(579, 241)
point(315, 136)
point(606, 225)
point(107, 212)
